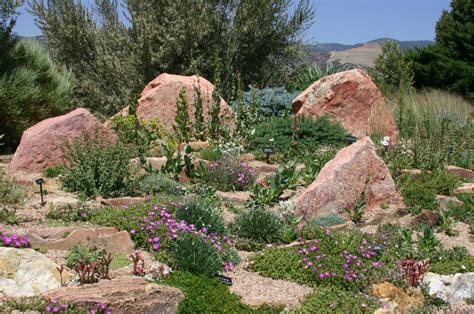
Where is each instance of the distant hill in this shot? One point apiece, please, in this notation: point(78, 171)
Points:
point(362, 54)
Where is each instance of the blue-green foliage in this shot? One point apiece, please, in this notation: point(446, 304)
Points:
point(269, 101)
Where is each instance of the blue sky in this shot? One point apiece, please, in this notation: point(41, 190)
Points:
point(347, 21)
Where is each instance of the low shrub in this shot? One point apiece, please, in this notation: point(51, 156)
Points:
point(193, 253)
point(70, 213)
point(285, 264)
point(296, 138)
point(327, 221)
point(455, 260)
point(211, 154)
point(258, 225)
point(420, 191)
point(229, 174)
point(269, 101)
point(205, 294)
point(14, 241)
point(203, 214)
point(87, 254)
point(94, 169)
point(11, 194)
point(333, 300)
point(153, 184)
point(53, 172)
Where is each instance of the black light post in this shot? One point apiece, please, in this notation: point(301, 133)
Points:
point(350, 139)
point(40, 182)
point(450, 153)
point(269, 151)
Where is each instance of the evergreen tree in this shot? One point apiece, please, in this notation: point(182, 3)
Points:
point(449, 63)
point(183, 128)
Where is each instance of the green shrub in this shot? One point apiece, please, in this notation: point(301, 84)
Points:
point(193, 253)
point(259, 225)
point(155, 183)
point(83, 252)
point(11, 196)
point(94, 169)
point(203, 214)
point(314, 163)
point(53, 172)
point(282, 264)
point(32, 88)
point(205, 294)
point(420, 191)
point(70, 213)
point(211, 154)
point(456, 260)
point(327, 221)
point(229, 174)
point(334, 300)
point(296, 138)
point(269, 101)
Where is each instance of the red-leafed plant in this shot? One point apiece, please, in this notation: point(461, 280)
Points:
point(138, 264)
point(413, 270)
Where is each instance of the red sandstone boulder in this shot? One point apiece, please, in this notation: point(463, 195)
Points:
point(352, 99)
point(356, 169)
point(158, 99)
point(122, 295)
point(41, 145)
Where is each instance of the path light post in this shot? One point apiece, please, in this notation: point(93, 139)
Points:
point(350, 139)
point(450, 153)
point(40, 182)
point(268, 151)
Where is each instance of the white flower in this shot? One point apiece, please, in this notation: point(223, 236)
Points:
point(386, 141)
point(271, 140)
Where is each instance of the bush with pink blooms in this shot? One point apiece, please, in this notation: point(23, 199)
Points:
point(229, 174)
point(14, 241)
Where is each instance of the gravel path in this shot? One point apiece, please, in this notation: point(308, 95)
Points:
point(462, 239)
point(256, 290)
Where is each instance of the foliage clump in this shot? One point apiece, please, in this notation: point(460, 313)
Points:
point(258, 225)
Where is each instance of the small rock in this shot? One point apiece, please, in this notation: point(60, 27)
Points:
point(453, 289)
point(27, 273)
point(465, 188)
point(195, 146)
point(240, 197)
point(105, 238)
point(400, 298)
point(61, 202)
point(262, 167)
point(444, 201)
point(427, 217)
point(123, 295)
point(413, 172)
point(461, 172)
point(122, 201)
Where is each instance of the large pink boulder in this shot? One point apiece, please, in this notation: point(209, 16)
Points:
point(356, 169)
point(352, 99)
point(41, 145)
point(158, 98)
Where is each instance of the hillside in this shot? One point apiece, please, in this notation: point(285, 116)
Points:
point(362, 54)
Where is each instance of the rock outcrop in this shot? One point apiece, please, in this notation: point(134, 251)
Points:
point(453, 289)
point(355, 171)
point(41, 145)
point(27, 273)
point(66, 238)
point(123, 295)
point(352, 99)
point(158, 98)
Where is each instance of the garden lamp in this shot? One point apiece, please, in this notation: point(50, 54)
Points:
point(40, 182)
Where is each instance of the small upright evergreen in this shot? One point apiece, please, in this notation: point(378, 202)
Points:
point(183, 128)
point(199, 127)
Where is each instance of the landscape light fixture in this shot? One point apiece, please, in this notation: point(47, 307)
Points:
point(40, 182)
point(350, 139)
point(450, 153)
point(268, 151)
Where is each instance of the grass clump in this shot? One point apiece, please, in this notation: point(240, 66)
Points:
point(203, 214)
point(153, 184)
point(258, 225)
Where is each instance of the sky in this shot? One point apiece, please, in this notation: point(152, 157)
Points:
point(346, 21)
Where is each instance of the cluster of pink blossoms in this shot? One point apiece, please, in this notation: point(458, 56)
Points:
point(159, 217)
point(15, 241)
point(353, 263)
